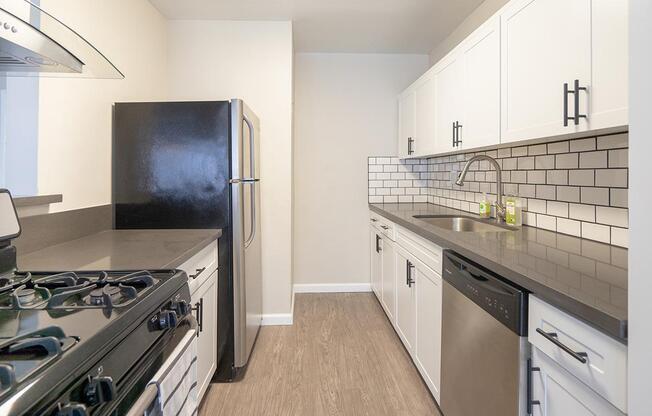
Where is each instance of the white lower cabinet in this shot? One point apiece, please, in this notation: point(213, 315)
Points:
point(204, 304)
point(428, 331)
point(405, 322)
point(388, 291)
point(376, 266)
point(556, 392)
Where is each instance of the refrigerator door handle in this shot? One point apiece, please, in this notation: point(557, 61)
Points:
point(252, 180)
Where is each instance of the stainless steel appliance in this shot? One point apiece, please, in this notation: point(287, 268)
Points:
point(484, 344)
point(197, 165)
point(32, 42)
point(83, 343)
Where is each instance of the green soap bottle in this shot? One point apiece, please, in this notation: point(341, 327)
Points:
point(513, 211)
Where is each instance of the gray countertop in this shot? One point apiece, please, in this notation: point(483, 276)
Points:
point(582, 277)
point(121, 250)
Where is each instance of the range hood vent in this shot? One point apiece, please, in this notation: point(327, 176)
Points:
point(34, 43)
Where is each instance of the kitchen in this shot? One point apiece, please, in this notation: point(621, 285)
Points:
point(284, 200)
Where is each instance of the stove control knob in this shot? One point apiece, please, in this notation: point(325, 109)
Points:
point(72, 409)
point(99, 390)
point(181, 307)
point(167, 319)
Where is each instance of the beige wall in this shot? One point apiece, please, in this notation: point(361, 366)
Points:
point(345, 111)
point(215, 60)
point(74, 150)
point(468, 25)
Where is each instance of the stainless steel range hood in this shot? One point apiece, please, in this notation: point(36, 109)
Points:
point(34, 43)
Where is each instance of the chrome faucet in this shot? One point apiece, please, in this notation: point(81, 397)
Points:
point(500, 208)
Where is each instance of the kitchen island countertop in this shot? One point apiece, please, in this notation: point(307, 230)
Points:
point(121, 250)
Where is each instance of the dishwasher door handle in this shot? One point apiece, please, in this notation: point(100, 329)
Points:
point(552, 337)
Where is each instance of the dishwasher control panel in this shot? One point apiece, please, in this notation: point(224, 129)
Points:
point(504, 301)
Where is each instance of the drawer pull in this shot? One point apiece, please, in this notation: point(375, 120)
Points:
point(197, 273)
point(384, 227)
point(552, 337)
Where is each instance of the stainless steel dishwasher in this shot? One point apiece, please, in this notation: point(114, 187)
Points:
point(484, 344)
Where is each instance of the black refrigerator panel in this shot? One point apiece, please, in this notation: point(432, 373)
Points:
point(171, 169)
point(171, 165)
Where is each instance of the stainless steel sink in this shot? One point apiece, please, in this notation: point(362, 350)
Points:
point(464, 224)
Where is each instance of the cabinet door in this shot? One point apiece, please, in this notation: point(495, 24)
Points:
point(425, 117)
point(407, 124)
point(610, 54)
point(389, 279)
point(480, 55)
point(405, 300)
point(428, 333)
point(375, 244)
point(448, 98)
point(544, 44)
point(205, 307)
point(561, 394)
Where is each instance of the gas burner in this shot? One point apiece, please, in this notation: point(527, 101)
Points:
point(24, 297)
point(12, 280)
point(111, 296)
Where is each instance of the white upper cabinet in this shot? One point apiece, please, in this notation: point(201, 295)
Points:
point(448, 102)
point(545, 44)
point(480, 115)
point(407, 124)
point(425, 102)
point(610, 55)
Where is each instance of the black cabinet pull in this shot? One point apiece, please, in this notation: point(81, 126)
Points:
point(410, 143)
point(552, 337)
point(566, 92)
point(457, 127)
point(531, 403)
point(378, 249)
point(576, 92)
point(197, 273)
point(408, 273)
point(199, 308)
point(576, 103)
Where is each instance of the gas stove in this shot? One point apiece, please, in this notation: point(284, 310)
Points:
point(83, 343)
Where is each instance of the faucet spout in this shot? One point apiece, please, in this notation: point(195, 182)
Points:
point(500, 208)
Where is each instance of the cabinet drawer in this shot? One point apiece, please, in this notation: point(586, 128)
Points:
point(200, 266)
point(385, 226)
point(605, 369)
point(427, 252)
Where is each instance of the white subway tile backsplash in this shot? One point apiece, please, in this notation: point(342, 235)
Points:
point(597, 196)
point(582, 212)
point(613, 141)
point(570, 227)
point(558, 147)
point(618, 158)
point(596, 232)
point(575, 187)
point(581, 177)
point(612, 216)
point(582, 145)
point(619, 198)
point(593, 159)
point(615, 178)
point(567, 161)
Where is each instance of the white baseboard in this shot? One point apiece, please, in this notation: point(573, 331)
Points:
point(277, 319)
point(273, 319)
point(332, 288)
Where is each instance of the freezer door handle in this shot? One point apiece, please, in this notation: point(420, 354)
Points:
point(251, 180)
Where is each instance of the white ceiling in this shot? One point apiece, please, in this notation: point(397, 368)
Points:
point(378, 26)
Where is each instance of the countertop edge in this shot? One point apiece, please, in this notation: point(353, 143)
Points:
point(609, 325)
point(188, 254)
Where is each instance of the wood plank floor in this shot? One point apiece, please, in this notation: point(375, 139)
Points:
point(341, 357)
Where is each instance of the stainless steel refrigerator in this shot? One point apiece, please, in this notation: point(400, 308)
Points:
point(197, 165)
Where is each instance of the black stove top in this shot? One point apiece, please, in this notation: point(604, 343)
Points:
point(51, 323)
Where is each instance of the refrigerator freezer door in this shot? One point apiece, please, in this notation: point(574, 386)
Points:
point(247, 270)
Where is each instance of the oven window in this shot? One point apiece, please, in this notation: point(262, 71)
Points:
point(19, 134)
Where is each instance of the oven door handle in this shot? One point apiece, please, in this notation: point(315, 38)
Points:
point(145, 401)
